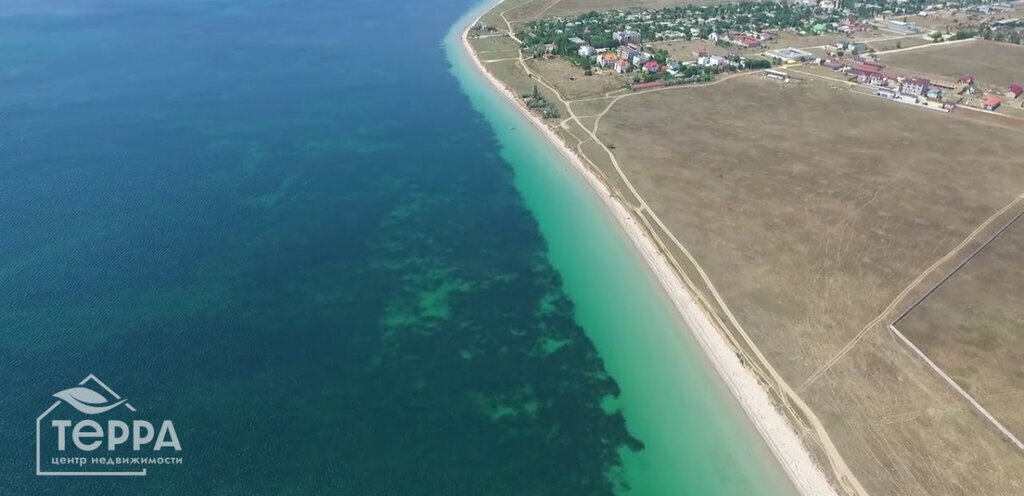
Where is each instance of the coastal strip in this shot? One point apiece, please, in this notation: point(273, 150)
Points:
point(773, 426)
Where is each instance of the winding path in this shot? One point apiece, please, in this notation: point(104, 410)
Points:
point(791, 400)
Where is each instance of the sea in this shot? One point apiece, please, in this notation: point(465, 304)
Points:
point(310, 235)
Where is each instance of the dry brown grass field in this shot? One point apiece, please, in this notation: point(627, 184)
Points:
point(995, 64)
point(488, 46)
point(898, 43)
point(973, 328)
point(557, 71)
point(811, 208)
point(820, 214)
point(683, 50)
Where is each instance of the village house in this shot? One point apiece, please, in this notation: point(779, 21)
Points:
point(745, 40)
point(607, 60)
point(640, 59)
point(622, 67)
point(652, 66)
point(915, 86)
point(627, 36)
point(712, 61)
point(790, 55)
point(629, 51)
point(833, 64)
point(855, 48)
point(1014, 91)
point(880, 80)
point(992, 103)
point(964, 84)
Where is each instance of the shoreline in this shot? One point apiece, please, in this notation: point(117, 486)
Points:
point(774, 428)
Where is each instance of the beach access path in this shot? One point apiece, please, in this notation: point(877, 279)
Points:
point(778, 432)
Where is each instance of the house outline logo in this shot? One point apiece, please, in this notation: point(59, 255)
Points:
point(84, 400)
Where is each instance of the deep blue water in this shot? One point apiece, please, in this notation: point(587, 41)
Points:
point(281, 225)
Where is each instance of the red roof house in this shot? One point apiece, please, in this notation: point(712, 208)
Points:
point(745, 40)
point(1015, 91)
point(652, 66)
point(991, 103)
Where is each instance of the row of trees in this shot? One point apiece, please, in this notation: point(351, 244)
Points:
point(537, 102)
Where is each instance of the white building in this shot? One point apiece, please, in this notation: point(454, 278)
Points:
point(790, 55)
point(712, 61)
point(587, 51)
point(627, 36)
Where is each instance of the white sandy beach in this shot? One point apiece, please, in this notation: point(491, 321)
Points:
point(773, 426)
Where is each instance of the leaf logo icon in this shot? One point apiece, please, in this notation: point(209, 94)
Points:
point(86, 400)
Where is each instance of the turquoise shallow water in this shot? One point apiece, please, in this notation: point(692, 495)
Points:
point(696, 438)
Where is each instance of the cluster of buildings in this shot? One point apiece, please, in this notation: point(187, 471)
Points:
point(913, 89)
point(790, 55)
point(632, 57)
point(742, 40)
point(992, 8)
point(626, 36)
point(624, 59)
point(744, 24)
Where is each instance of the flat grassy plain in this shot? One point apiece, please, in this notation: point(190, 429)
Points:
point(811, 208)
point(492, 47)
point(557, 71)
point(899, 43)
point(991, 63)
point(973, 328)
point(683, 50)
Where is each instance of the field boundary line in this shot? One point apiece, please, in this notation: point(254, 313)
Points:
point(949, 380)
point(958, 267)
point(903, 294)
